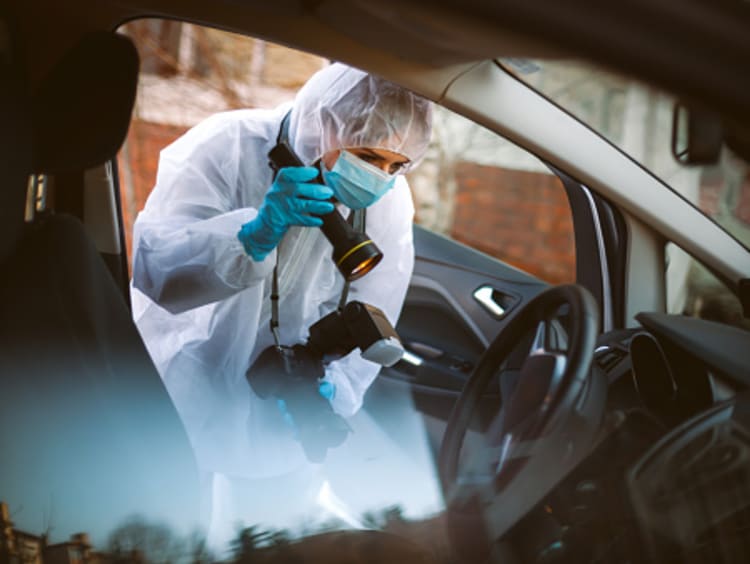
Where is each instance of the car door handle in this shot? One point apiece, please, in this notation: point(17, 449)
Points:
point(494, 301)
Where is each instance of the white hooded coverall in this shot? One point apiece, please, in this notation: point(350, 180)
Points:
point(202, 304)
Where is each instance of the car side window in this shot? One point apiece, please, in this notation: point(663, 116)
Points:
point(486, 192)
point(693, 290)
point(188, 73)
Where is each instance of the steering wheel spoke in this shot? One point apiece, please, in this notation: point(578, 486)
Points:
point(537, 426)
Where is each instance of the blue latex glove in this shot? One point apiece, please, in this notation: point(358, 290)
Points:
point(316, 427)
point(326, 389)
point(292, 200)
point(288, 419)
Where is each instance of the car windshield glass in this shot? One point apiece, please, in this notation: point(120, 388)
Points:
point(257, 410)
point(638, 119)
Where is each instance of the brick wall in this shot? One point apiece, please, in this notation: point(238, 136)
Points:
point(742, 211)
point(709, 196)
point(517, 216)
point(524, 218)
point(138, 161)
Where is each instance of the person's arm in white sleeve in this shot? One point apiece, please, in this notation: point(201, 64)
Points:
point(186, 249)
point(384, 287)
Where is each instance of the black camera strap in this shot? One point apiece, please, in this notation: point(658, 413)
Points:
point(358, 218)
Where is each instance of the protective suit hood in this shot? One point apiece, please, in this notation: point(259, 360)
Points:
point(341, 107)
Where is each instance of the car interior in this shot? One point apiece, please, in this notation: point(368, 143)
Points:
point(568, 423)
point(66, 329)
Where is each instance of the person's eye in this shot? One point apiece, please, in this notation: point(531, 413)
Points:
point(395, 168)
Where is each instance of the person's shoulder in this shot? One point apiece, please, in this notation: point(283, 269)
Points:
point(251, 119)
point(230, 120)
point(253, 123)
point(222, 130)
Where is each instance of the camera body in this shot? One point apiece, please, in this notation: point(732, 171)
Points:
point(279, 367)
point(357, 325)
point(291, 375)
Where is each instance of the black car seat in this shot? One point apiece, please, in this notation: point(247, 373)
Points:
point(88, 434)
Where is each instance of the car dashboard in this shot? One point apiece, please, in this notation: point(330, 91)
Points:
point(667, 478)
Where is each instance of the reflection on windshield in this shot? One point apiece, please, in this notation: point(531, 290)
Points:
point(638, 119)
point(381, 479)
point(138, 539)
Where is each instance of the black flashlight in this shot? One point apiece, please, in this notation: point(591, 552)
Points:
point(354, 253)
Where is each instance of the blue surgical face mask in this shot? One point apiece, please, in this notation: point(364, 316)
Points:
point(357, 184)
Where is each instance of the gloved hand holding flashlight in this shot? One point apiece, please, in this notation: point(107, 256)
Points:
point(294, 199)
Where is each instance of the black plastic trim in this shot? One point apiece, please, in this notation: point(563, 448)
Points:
point(615, 235)
point(744, 294)
point(68, 193)
point(588, 263)
point(122, 276)
point(436, 248)
point(724, 348)
point(114, 265)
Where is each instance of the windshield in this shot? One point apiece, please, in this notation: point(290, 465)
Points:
point(226, 417)
point(638, 119)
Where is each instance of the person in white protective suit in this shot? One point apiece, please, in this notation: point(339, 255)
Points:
point(216, 224)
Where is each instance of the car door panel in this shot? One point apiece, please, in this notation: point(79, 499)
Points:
point(444, 326)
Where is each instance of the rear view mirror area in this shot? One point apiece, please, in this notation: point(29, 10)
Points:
point(697, 135)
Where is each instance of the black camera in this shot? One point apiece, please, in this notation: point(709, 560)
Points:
point(357, 325)
point(292, 374)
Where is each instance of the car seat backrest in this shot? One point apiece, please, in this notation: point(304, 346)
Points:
point(15, 140)
point(85, 420)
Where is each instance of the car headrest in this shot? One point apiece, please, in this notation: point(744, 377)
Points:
point(82, 108)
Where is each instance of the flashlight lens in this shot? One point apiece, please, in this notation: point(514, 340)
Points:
point(364, 267)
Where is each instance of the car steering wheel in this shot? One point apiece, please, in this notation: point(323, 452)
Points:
point(554, 382)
